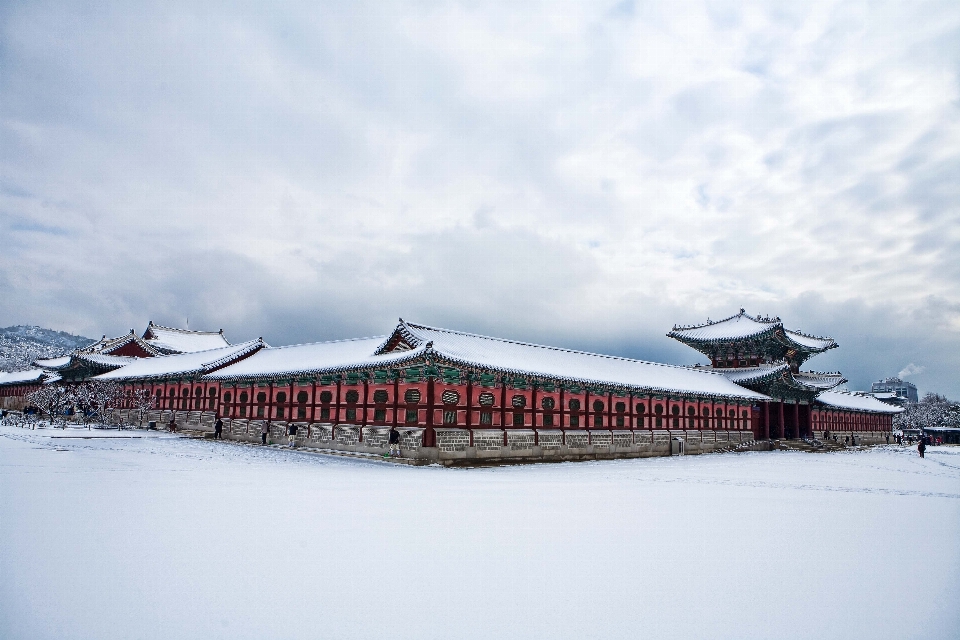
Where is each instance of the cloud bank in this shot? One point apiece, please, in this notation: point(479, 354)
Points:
point(581, 174)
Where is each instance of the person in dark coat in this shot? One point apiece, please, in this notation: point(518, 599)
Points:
point(921, 447)
point(292, 434)
point(394, 439)
point(264, 431)
point(218, 429)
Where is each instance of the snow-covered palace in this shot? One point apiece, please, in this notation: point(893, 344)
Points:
point(459, 396)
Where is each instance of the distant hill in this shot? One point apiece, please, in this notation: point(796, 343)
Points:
point(21, 345)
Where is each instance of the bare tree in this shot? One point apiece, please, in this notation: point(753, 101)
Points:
point(53, 400)
point(142, 401)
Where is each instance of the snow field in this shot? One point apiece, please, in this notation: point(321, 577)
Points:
point(158, 536)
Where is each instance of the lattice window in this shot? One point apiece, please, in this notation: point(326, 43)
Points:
point(412, 396)
point(326, 397)
point(518, 401)
point(411, 417)
point(574, 404)
point(485, 400)
point(380, 396)
point(486, 417)
point(598, 405)
point(548, 403)
point(353, 396)
point(450, 397)
point(379, 415)
point(449, 417)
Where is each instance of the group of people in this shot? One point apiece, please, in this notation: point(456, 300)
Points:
point(393, 436)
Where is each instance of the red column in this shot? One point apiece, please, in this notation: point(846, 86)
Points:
point(796, 415)
point(783, 430)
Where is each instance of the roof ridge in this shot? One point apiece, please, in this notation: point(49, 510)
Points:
point(709, 323)
point(310, 344)
point(542, 346)
point(160, 326)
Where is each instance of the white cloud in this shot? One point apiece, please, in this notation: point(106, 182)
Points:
point(315, 171)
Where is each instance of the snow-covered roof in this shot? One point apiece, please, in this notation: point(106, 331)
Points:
point(53, 363)
point(743, 375)
point(107, 345)
point(733, 328)
point(21, 377)
point(169, 339)
point(742, 326)
point(182, 364)
point(812, 342)
point(818, 380)
point(315, 358)
point(855, 401)
point(106, 360)
point(457, 348)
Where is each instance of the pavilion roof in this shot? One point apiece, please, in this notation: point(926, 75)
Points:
point(170, 340)
point(183, 364)
point(854, 401)
point(743, 327)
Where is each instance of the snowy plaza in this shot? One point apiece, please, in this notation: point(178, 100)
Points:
point(140, 534)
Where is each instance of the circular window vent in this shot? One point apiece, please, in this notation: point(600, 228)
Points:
point(518, 401)
point(353, 396)
point(412, 396)
point(548, 403)
point(380, 396)
point(485, 399)
point(450, 397)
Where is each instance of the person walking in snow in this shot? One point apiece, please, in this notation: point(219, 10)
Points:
point(394, 439)
point(292, 434)
point(264, 431)
point(218, 429)
point(921, 447)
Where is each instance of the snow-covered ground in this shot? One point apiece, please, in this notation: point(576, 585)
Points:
point(145, 535)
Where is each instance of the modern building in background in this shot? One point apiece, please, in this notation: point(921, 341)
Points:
point(896, 386)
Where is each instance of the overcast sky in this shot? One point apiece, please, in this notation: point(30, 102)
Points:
point(577, 174)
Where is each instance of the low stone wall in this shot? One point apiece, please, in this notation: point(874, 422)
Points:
point(457, 445)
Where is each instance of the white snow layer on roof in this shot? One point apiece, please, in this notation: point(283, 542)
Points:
point(746, 374)
point(313, 358)
point(810, 341)
point(53, 363)
point(818, 380)
point(180, 363)
point(855, 401)
point(550, 362)
point(106, 359)
point(739, 326)
point(18, 377)
point(185, 341)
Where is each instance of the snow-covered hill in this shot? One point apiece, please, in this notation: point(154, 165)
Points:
point(20, 345)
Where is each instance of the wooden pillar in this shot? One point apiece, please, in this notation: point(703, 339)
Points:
point(796, 417)
point(470, 406)
point(503, 406)
point(630, 399)
point(610, 410)
point(563, 411)
point(336, 414)
point(766, 420)
point(396, 399)
point(430, 409)
point(533, 413)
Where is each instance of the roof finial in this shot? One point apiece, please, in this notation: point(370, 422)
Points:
point(742, 311)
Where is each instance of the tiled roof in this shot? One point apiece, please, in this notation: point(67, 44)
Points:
point(53, 363)
point(21, 377)
point(855, 402)
point(183, 340)
point(315, 358)
point(182, 364)
point(742, 326)
point(817, 380)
